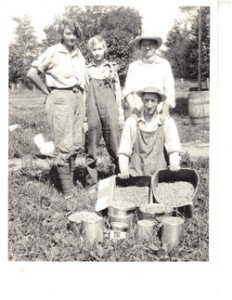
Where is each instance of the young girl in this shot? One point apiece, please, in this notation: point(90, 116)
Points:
point(104, 108)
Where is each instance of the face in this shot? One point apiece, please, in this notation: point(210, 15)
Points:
point(148, 48)
point(69, 38)
point(150, 101)
point(98, 52)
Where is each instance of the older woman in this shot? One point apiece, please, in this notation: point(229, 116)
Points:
point(66, 81)
point(151, 69)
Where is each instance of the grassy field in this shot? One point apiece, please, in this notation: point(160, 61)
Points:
point(29, 113)
point(38, 226)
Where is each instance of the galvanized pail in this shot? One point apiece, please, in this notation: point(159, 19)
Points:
point(92, 230)
point(119, 231)
point(116, 214)
point(154, 211)
point(87, 224)
point(145, 229)
point(171, 230)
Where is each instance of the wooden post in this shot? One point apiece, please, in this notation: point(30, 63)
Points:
point(199, 49)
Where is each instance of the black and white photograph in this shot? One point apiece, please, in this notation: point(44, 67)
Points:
point(109, 134)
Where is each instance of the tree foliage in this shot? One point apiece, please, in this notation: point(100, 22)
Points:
point(118, 25)
point(22, 51)
point(182, 43)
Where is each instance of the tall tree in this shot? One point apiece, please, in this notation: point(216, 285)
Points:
point(22, 51)
point(183, 43)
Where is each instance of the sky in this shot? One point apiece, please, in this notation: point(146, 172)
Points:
point(157, 19)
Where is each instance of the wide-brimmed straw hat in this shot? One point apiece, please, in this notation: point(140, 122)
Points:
point(138, 40)
point(151, 90)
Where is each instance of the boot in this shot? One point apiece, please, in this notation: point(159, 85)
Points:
point(92, 174)
point(72, 167)
point(66, 180)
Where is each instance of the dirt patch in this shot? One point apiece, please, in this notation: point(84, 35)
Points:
point(196, 150)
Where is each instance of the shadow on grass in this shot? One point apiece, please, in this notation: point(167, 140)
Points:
point(53, 179)
point(181, 107)
point(79, 176)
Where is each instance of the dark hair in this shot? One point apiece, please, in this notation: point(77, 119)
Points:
point(72, 25)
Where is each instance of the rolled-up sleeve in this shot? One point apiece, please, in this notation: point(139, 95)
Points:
point(128, 137)
point(44, 61)
point(172, 140)
point(129, 84)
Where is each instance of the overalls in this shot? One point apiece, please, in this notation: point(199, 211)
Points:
point(102, 114)
point(149, 153)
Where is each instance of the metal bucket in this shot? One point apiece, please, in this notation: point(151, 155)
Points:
point(154, 211)
point(171, 230)
point(87, 224)
point(145, 229)
point(76, 220)
point(119, 231)
point(122, 215)
point(92, 230)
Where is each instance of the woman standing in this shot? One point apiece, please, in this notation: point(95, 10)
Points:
point(66, 82)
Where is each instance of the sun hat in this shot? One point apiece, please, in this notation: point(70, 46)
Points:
point(153, 90)
point(138, 40)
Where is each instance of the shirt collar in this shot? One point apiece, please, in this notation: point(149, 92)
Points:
point(62, 49)
point(156, 118)
point(93, 64)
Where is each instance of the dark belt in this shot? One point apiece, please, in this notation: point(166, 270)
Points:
point(75, 89)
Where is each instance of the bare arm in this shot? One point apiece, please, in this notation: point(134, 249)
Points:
point(123, 166)
point(33, 75)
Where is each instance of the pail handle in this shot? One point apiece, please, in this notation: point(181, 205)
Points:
point(178, 213)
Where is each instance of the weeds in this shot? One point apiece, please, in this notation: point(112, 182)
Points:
point(39, 228)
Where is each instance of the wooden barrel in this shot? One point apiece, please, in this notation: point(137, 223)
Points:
point(198, 107)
